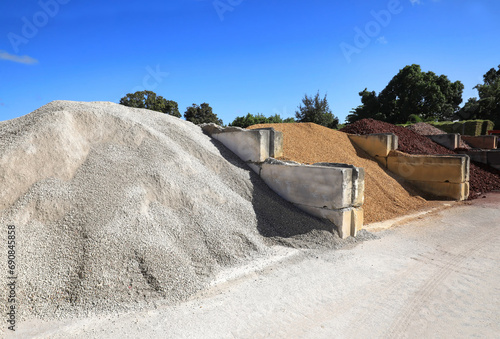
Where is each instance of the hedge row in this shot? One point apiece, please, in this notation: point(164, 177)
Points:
point(469, 127)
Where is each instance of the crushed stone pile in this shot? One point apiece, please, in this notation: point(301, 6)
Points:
point(385, 196)
point(483, 179)
point(116, 208)
point(423, 128)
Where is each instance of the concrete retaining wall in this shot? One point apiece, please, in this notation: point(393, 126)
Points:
point(488, 157)
point(325, 190)
point(376, 145)
point(442, 175)
point(331, 191)
point(483, 142)
point(450, 141)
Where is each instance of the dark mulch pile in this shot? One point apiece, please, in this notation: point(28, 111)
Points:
point(482, 178)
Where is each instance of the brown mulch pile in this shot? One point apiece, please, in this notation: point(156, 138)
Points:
point(482, 179)
point(385, 196)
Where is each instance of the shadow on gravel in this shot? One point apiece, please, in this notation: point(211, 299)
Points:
point(282, 222)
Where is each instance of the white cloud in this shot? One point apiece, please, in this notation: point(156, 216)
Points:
point(415, 2)
point(382, 40)
point(16, 58)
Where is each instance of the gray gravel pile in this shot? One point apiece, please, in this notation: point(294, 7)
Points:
point(423, 128)
point(117, 208)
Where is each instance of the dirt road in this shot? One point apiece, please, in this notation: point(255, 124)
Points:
point(434, 277)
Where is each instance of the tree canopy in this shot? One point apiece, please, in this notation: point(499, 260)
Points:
point(149, 100)
point(316, 110)
point(487, 107)
point(201, 114)
point(251, 119)
point(411, 91)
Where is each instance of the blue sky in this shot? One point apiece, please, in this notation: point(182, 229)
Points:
point(240, 56)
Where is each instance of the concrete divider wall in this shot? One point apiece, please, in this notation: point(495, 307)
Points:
point(488, 157)
point(441, 175)
point(376, 145)
point(483, 142)
point(325, 190)
point(450, 141)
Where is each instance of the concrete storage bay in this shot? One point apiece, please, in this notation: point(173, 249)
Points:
point(325, 190)
point(441, 175)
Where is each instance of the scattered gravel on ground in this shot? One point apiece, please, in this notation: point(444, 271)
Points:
point(117, 208)
point(482, 178)
point(385, 196)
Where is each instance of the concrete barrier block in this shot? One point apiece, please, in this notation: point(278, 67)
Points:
point(314, 186)
point(381, 160)
point(249, 145)
point(348, 221)
point(450, 141)
point(358, 181)
point(376, 144)
point(357, 220)
point(493, 157)
point(255, 167)
point(448, 190)
point(275, 142)
point(440, 168)
point(483, 142)
point(478, 156)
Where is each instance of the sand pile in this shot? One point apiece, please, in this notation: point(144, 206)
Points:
point(483, 178)
point(385, 196)
point(115, 207)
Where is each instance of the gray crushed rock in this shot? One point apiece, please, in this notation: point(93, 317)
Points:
point(117, 208)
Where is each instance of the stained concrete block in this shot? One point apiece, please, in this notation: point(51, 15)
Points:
point(381, 160)
point(432, 168)
point(249, 145)
point(478, 156)
point(455, 191)
point(347, 220)
point(255, 167)
point(275, 142)
point(493, 158)
point(376, 144)
point(483, 142)
point(450, 141)
point(358, 181)
point(314, 186)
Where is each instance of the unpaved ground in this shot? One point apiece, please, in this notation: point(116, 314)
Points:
point(436, 276)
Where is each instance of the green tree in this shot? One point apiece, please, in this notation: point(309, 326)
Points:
point(259, 118)
point(201, 114)
point(370, 104)
point(411, 91)
point(489, 96)
point(149, 100)
point(487, 107)
point(316, 110)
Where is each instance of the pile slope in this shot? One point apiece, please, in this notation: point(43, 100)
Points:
point(114, 207)
point(385, 196)
point(482, 180)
